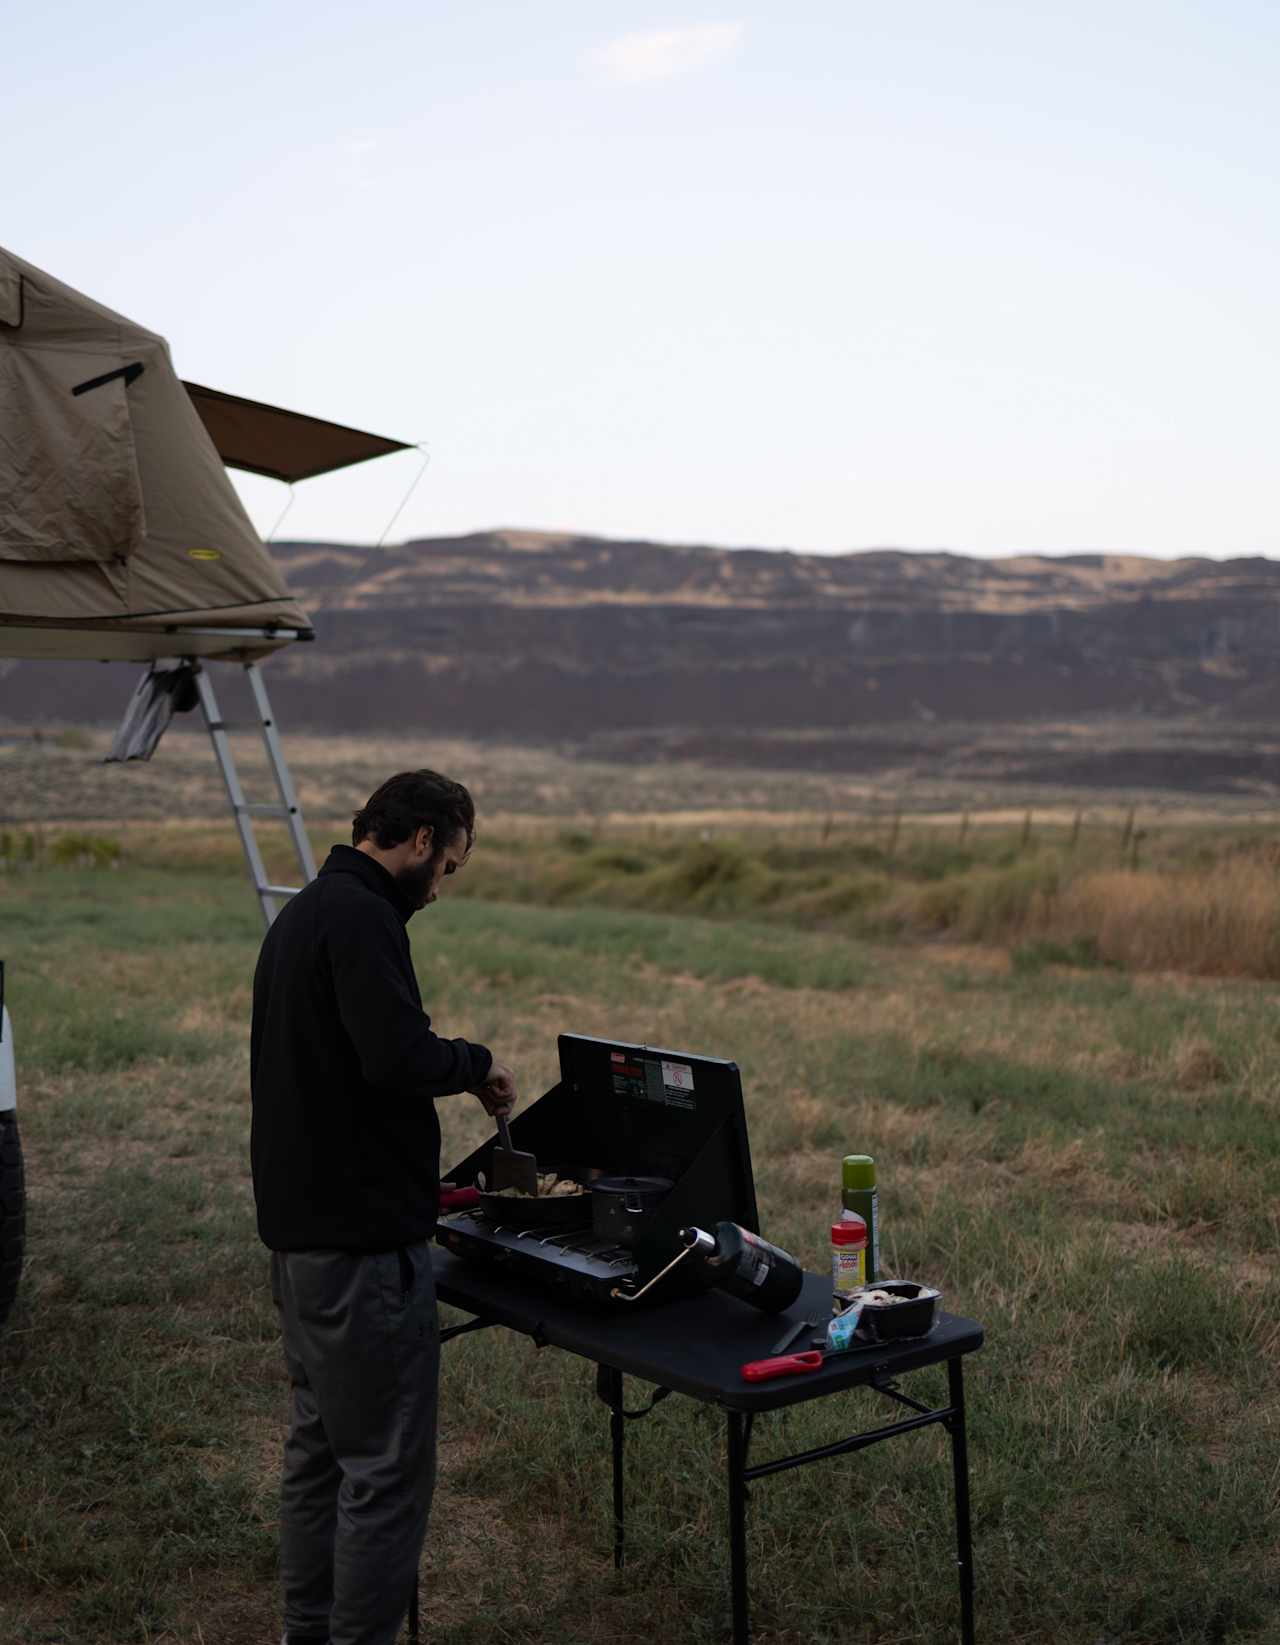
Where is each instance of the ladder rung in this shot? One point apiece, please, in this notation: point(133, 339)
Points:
point(238, 725)
point(279, 890)
point(266, 810)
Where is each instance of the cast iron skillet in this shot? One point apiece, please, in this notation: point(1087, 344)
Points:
point(556, 1211)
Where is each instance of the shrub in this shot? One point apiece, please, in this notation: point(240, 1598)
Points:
point(830, 899)
point(1005, 901)
point(614, 859)
point(936, 860)
point(939, 906)
point(84, 851)
point(986, 903)
point(1081, 952)
point(711, 875)
point(20, 850)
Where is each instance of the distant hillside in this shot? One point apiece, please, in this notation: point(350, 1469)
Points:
point(554, 637)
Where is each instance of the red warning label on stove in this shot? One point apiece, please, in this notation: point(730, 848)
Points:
point(654, 1079)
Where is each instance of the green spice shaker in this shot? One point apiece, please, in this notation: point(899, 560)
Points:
point(858, 1195)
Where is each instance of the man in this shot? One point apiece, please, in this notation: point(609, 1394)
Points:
point(346, 1166)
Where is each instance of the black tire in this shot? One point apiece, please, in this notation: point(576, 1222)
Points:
point(13, 1211)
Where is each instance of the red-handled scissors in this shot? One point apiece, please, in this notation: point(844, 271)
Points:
point(784, 1365)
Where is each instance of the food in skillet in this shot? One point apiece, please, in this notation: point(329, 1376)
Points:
point(550, 1186)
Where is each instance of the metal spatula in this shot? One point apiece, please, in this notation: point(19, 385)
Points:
point(512, 1170)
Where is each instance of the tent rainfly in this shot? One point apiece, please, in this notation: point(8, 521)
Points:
point(121, 537)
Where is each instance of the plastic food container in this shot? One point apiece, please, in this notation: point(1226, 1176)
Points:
point(892, 1321)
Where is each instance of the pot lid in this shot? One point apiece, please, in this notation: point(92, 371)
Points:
point(632, 1185)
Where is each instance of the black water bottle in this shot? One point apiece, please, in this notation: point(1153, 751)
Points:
point(746, 1266)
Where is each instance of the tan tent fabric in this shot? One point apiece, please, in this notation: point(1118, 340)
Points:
point(73, 491)
point(284, 445)
point(116, 515)
point(10, 294)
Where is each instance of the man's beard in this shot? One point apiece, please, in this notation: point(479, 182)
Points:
point(415, 883)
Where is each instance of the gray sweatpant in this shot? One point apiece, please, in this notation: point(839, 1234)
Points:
point(362, 1345)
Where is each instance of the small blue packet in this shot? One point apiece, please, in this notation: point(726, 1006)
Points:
point(841, 1329)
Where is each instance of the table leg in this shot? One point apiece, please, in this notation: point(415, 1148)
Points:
point(738, 1527)
point(960, 1466)
point(609, 1386)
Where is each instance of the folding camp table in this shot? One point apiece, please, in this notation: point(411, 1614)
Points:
point(697, 1346)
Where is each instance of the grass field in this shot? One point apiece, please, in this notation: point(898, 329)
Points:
point(1084, 1157)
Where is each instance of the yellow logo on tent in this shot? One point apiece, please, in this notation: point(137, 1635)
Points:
point(205, 553)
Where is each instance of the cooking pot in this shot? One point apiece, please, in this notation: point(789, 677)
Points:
point(620, 1205)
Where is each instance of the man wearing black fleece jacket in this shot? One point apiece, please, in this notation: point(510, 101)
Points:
point(345, 1149)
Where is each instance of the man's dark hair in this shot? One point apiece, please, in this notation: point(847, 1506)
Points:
point(412, 800)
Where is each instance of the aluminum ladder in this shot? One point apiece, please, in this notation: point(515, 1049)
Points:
point(272, 897)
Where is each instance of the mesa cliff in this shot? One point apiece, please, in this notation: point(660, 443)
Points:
point(648, 648)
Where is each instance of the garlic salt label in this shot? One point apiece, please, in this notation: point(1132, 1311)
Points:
point(848, 1254)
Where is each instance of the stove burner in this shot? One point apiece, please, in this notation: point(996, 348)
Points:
point(595, 1260)
point(583, 1242)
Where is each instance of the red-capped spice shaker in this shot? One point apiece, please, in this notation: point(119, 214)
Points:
point(848, 1254)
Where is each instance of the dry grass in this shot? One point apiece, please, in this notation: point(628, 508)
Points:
point(61, 776)
point(1084, 1162)
point(1220, 921)
point(1209, 905)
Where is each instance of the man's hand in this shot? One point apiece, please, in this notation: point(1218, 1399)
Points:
point(498, 1094)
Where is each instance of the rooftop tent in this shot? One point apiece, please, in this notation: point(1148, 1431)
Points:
point(121, 536)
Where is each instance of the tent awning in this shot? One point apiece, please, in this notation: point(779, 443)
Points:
point(283, 445)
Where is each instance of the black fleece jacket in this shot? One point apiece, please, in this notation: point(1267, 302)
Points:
point(345, 1142)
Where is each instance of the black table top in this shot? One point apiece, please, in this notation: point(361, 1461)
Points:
point(696, 1345)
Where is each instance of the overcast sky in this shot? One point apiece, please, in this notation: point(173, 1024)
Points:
point(826, 275)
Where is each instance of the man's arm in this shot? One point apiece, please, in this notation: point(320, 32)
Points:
point(392, 1034)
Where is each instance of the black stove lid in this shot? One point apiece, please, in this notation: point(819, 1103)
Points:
point(657, 1112)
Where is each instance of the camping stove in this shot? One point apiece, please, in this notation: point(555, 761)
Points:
point(575, 1260)
point(628, 1110)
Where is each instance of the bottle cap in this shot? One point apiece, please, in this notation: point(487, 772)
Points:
point(852, 1232)
point(858, 1171)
